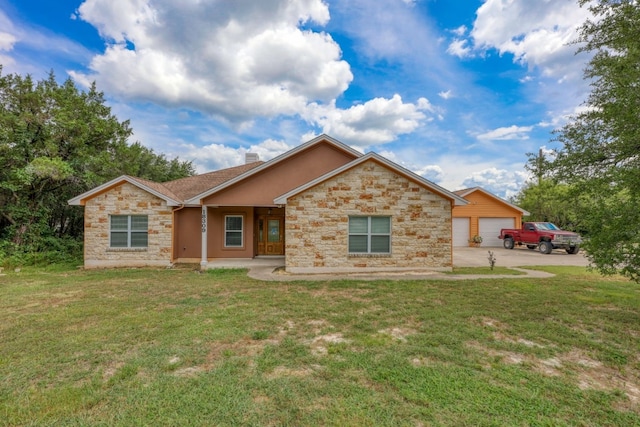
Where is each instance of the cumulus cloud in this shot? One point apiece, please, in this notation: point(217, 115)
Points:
point(433, 173)
point(506, 133)
point(460, 48)
point(502, 182)
point(237, 62)
point(376, 121)
point(218, 156)
point(234, 60)
point(536, 36)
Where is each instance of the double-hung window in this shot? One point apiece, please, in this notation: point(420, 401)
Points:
point(129, 231)
point(233, 231)
point(369, 235)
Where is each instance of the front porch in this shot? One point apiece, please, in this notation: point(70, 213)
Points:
point(232, 236)
point(249, 263)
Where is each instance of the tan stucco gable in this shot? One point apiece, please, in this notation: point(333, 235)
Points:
point(261, 185)
point(280, 174)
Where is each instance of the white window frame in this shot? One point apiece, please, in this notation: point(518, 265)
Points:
point(241, 231)
point(130, 230)
point(369, 234)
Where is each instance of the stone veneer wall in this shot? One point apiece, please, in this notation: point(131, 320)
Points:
point(317, 223)
point(126, 199)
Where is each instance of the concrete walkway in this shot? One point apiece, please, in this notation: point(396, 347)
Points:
point(268, 274)
point(272, 268)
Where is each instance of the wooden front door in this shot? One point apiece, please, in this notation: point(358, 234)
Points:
point(270, 231)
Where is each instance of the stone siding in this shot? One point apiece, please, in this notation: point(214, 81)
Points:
point(317, 223)
point(126, 199)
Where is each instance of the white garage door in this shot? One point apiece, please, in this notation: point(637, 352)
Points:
point(460, 231)
point(490, 229)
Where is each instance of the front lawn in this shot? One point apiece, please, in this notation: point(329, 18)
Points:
point(179, 347)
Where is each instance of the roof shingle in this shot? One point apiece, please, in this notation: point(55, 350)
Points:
point(185, 188)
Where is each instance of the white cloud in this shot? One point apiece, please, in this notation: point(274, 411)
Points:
point(460, 48)
point(7, 41)
point(218, 156)
point(269, 149)
point(377, 121)
point(445, 95)
point(537, 36)
point(234, 60)
point(238, 61)
point(433, 173)
point(6, 44)
point(504, 183)
point(460, 31)
point(558, 120)
point(507, 133)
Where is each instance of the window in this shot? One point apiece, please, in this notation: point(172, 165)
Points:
point(369, 235)
point(233, 231)
point(129, 231)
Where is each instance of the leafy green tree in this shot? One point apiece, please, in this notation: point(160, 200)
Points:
point(600, 157)
point(546, 200)
point(56, 142)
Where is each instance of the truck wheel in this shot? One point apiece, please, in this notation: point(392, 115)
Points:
point(532, 247)
point(573, 249)
point(508, 243)
point(545, 247)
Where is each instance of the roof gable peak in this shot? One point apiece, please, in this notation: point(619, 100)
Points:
point(195, 200)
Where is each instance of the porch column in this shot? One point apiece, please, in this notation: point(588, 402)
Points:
point(203, 262)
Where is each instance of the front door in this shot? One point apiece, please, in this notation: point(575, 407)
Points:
point(270, 231)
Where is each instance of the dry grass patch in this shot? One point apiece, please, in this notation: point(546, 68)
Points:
point(399, 334)
point(320, 344)
point(283, 371)
point(587, 373)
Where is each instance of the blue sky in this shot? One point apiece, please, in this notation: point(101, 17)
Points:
point(456, 91)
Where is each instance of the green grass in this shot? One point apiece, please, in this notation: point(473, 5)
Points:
point(176, 347)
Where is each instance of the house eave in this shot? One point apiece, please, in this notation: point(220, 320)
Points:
point(465, 193)
point(82, 198)
point(376, 157)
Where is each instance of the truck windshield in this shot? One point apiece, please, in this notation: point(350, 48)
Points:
point(547, 226)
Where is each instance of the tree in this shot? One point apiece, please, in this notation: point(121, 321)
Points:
point(546, 200)
point(56, 142)
point(600, 154)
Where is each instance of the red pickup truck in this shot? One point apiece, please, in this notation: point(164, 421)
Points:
point(542, 235)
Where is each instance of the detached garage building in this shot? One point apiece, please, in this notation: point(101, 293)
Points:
point(485, 215)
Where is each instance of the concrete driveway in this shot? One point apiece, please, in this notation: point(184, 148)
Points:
point(479, 257)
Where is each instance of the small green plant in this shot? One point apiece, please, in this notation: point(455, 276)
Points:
point(492, 260)
point(260, 335)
